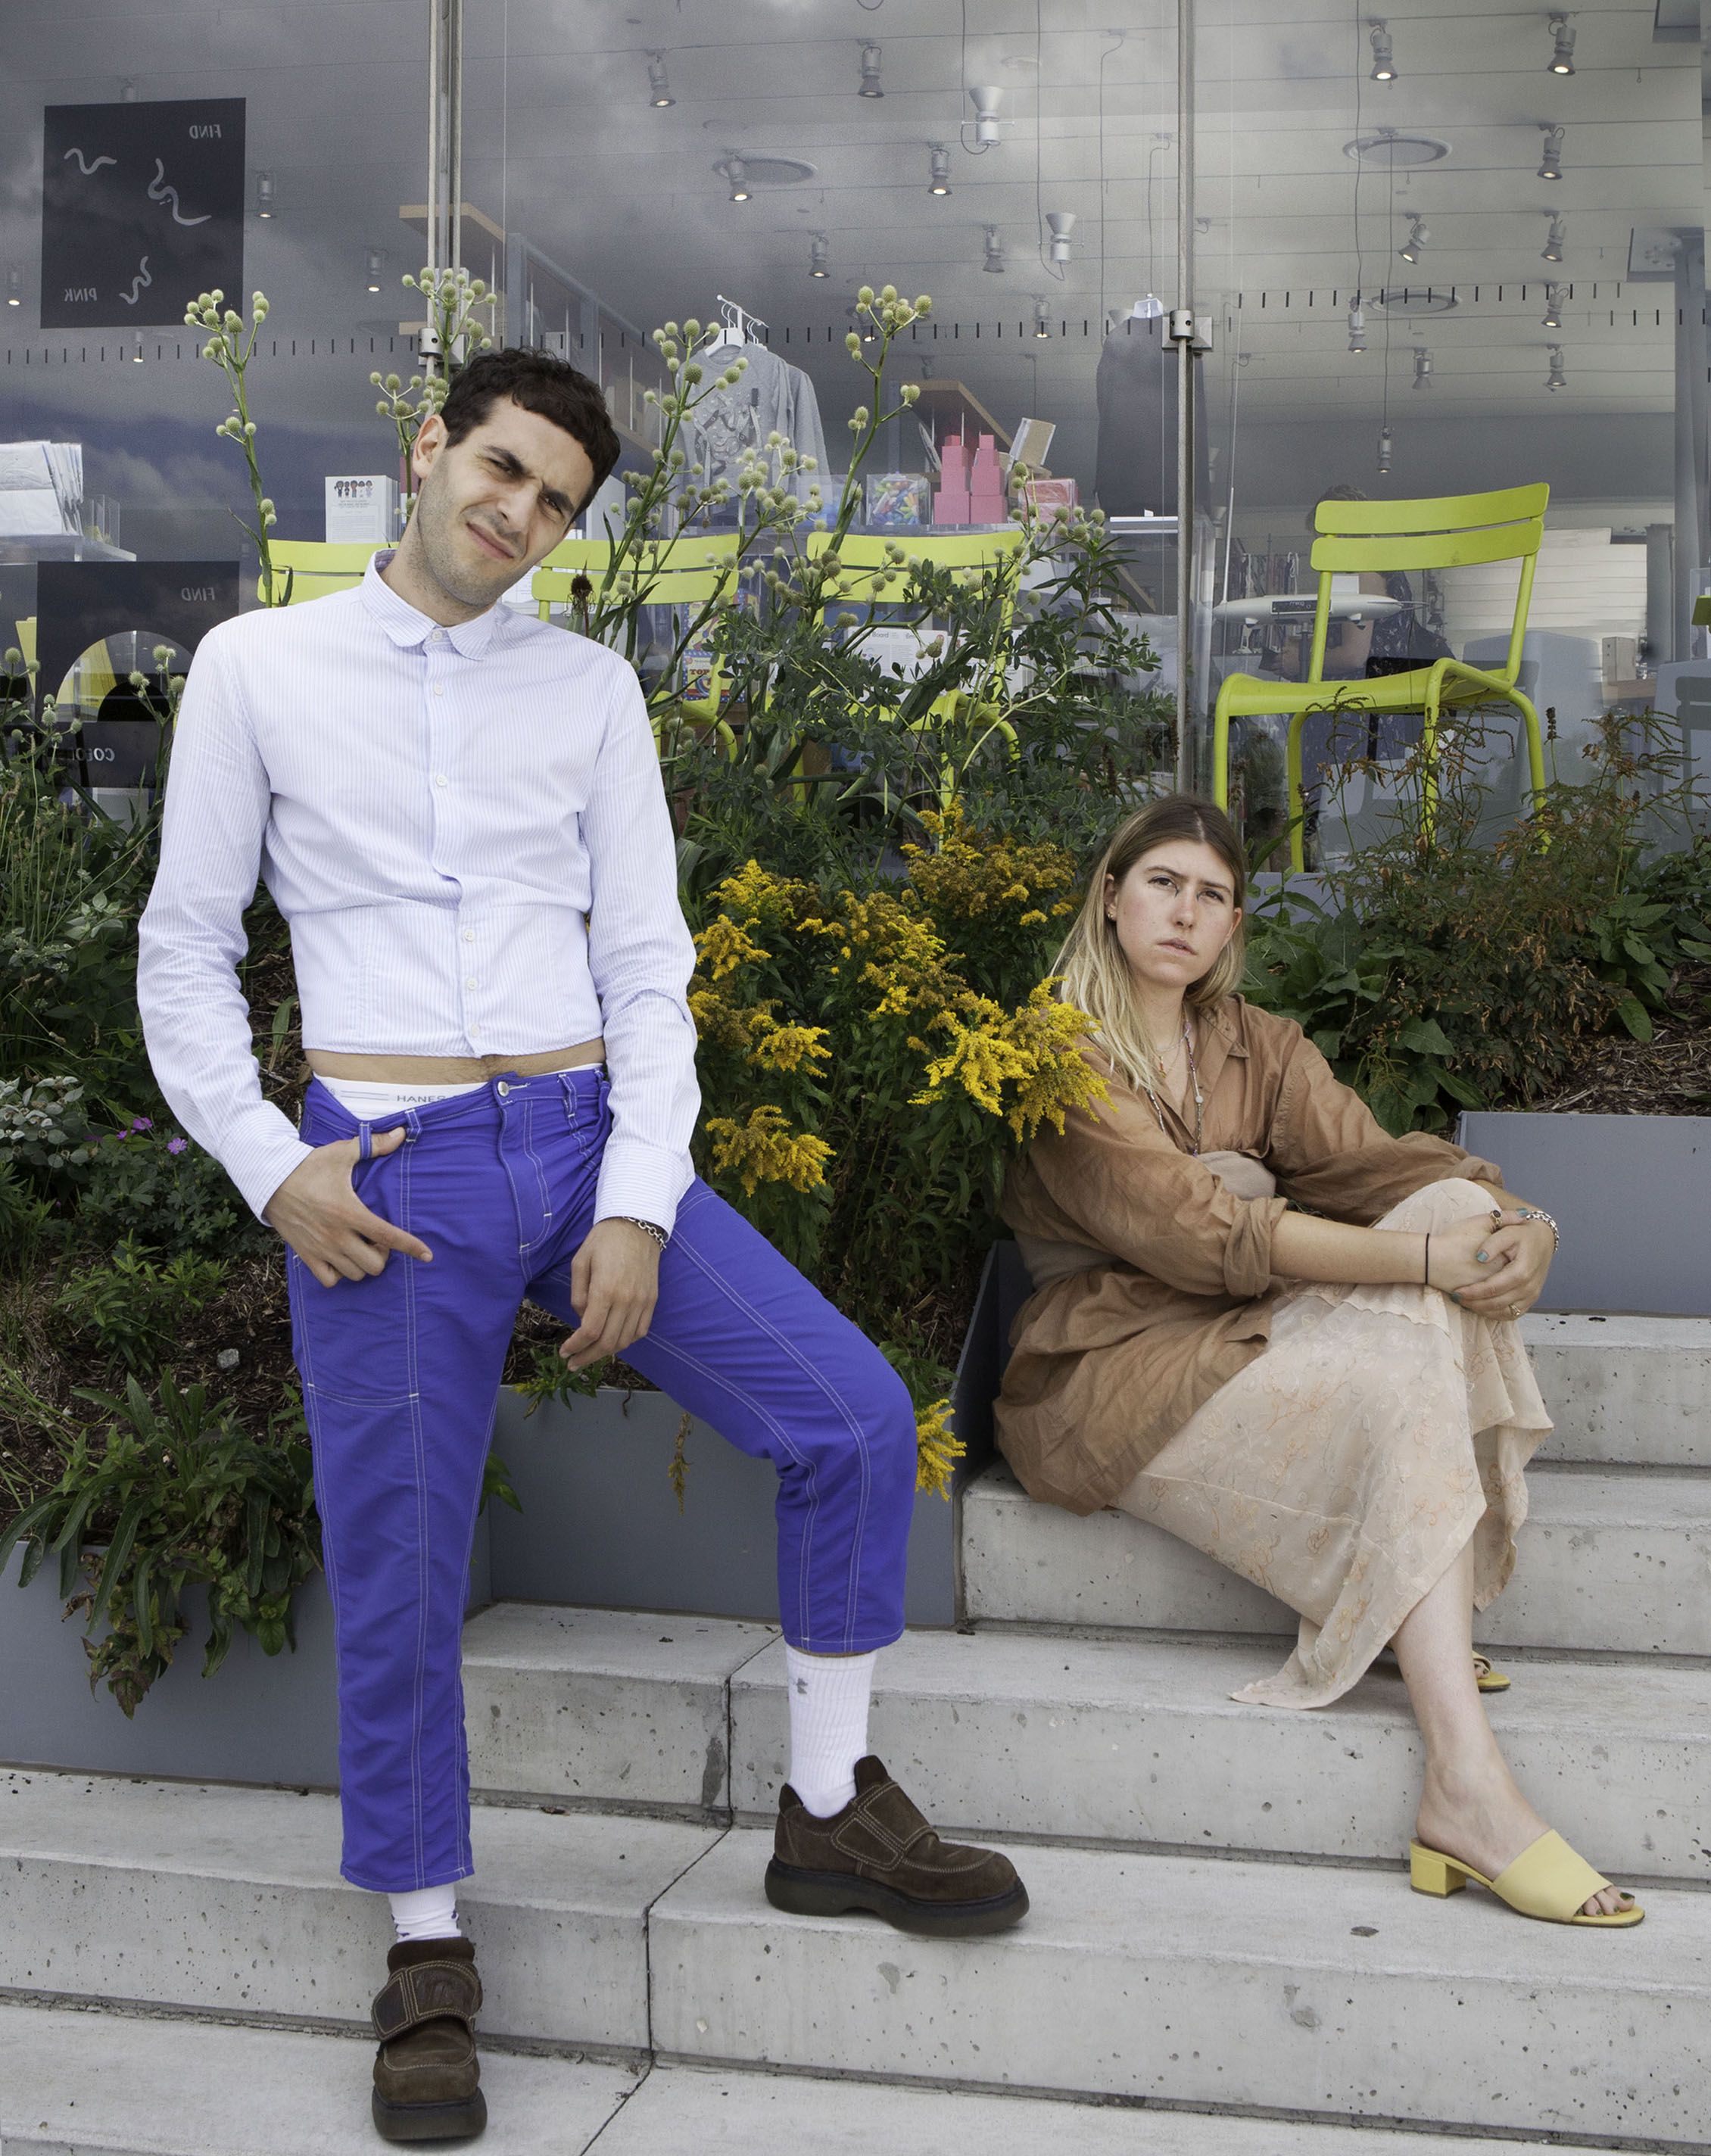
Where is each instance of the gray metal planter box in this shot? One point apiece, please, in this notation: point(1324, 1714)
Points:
point(600, 1525)
point(1632, 1196)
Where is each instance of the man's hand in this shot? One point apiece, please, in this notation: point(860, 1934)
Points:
point(324, 1222)
point(614, 1282)
point(1513, 1260)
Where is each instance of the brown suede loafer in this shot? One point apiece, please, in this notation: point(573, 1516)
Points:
point(879, 1854)
point(427, 2077)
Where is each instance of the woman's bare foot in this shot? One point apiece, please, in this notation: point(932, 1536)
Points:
point(1481, 1817)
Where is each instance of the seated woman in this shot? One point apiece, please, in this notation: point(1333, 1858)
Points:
point(1334, 1402)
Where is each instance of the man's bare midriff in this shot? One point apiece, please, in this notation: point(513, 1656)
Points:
point(451, 1069)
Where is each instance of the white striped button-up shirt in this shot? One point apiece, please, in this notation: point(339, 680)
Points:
point(467, 831)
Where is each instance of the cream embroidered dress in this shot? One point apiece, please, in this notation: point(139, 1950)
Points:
point(1336, 1445)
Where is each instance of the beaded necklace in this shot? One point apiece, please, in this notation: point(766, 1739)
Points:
point(1195, 1080)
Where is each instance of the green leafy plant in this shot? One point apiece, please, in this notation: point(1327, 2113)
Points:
point(232, 352)
point(146, 1180)
point(175, 1492)
point(44, 1125)
point(134, 1305)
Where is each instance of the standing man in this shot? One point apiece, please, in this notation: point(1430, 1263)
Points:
point(459, 809)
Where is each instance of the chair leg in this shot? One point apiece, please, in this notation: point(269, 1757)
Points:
point(1535, 748)
point(1428, 778)
point(1220, 753)
point(1298, 809)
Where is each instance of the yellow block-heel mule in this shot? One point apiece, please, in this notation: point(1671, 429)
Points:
point(1549, 1881)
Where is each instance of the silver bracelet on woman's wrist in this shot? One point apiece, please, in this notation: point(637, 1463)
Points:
point(1538, 1212)
point(649, 1228)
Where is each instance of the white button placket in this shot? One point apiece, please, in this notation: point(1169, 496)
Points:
point(441, 658)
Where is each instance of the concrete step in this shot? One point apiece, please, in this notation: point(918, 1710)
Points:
point(1605, 1562)
point(612, 1706)
point(92, 2084)
point(229, 1901)
point(1139, 1741)
point(1304, 1989)
point(1635, 1391)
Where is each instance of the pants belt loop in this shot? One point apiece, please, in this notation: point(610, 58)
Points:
point(365, 1140)
point(413, 1125)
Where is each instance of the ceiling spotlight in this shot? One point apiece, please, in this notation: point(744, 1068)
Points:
point(1556, 379)
point(658, 88)
point(1552, 250)
point(264, 194)
point(985, 101)
point(1385, 446)
point(136, 356)
point(1042, 319)
point(939, 170)
point(993, 263)
point(1553, 307)
point(377, 262)
point(1422, 367)
point(1562, 60)
point(736, 172)
point(1550, 165)
point(14, 288)
point(1357, 328)
point(1384, 65)
point(819, 250)
point(870, 84)
point(1417, 240)
point(1060, 223)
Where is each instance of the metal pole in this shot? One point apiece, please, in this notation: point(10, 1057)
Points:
point(446, 152)
point(1182, 332)
point(1689, 433)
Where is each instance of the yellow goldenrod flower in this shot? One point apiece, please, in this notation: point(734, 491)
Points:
point(765, 1149)
point(787, 1047)
point(937, 1451)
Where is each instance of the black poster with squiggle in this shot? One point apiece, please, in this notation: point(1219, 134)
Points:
point(142, 207)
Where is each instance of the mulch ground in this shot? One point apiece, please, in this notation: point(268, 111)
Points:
point(1670, 1074)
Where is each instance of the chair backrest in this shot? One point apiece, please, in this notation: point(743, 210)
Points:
point(969, 556)
point(690, 569)
point(318, 567)
point(1451, 532)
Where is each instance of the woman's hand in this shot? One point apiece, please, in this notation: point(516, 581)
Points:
point(1494, 1269)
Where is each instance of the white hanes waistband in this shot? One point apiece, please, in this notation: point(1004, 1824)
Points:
point(366, 1099)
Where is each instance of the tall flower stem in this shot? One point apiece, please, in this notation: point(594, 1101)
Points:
point(231, 351)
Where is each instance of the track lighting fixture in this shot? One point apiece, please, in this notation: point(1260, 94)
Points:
point(659, 88)
point(736, 172)
point(1553, 247)
point(938, 168)
point(993, 263)
point(1550, 164)
point(1060, 223)
point(1562, 58)
point(1385, 446)
point(264, 194)
point(985, 101)
point(1556, 379)
point(819, 251)
point(377, 262)
point(1422, 367)
point(136, 355)
point(1419, 238)
point(1384, 65)
point(1553, 307)
point(871, 85)
point(14, 288)
point(1042, 319)
point(1357, 327)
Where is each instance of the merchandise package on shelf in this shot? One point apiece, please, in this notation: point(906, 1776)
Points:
point(896, 500)
point(1044, 493)
point(986, 496)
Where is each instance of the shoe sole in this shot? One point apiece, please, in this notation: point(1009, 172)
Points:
point(802, 1893)
point(459, 2120)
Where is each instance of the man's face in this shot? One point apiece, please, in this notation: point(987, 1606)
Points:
point(493, 505)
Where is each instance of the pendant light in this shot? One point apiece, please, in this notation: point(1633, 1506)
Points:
point(1357, 327)
point(1042, 318)
point(1422, 367)
point(1060, 223)
point(985, 101)
point(377, 262)
point(939, 167)
point(993, 263)
point(736, 172)
point(1385, 446)
point(819, 250)
point(14, 288)
point(658, 88)
point(1384, 65)
point(1556, 379)
point(871, 85)
point(264, 194)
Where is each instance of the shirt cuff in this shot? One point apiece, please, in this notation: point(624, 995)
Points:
point(641, 1182)
point(260, 1153)
point(1247, 1249)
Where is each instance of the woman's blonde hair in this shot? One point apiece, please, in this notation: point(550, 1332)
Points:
point(1096, 976)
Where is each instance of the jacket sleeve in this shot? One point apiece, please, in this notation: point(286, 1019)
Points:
point(195, 1020)
point(1331, 1154)
point(1130, 1190)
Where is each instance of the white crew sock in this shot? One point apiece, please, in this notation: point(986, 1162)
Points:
point(829, 1700)
point(429, 1913)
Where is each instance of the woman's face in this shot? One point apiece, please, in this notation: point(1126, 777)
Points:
point(1175, 911)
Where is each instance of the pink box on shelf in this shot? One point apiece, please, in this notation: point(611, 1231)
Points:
point(1045, 495)
point(950, 506)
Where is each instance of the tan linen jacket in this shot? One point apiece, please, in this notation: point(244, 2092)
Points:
point(1153, 1281)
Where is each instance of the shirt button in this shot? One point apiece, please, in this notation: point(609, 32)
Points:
point(469, 935)
point(439, 688)
point(471, 983)
point(440, 778)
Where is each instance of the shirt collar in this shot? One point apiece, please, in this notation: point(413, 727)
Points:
point(408, 628)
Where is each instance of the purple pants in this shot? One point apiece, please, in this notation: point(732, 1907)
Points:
point(400, 1378)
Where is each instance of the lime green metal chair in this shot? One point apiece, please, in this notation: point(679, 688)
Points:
point(317, 567)
point(1453, 532)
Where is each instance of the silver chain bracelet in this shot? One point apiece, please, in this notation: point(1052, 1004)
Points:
point(647, 1227)
point(1538, 1212)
